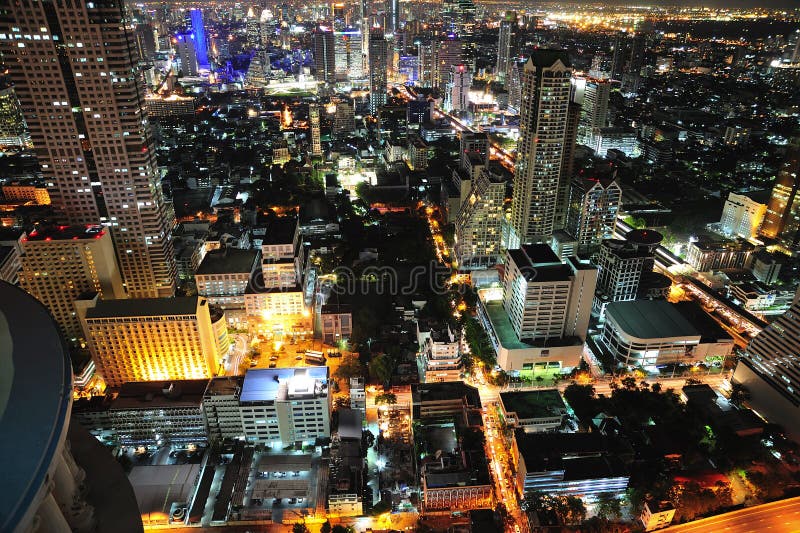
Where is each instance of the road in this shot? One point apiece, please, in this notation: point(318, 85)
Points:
point(241, 345)
point(782, 516)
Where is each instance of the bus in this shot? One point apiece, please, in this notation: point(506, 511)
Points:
point(314, 357)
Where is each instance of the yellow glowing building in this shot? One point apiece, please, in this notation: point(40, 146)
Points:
point(153, 339)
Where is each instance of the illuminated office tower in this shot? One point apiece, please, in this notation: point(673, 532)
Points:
point(448, 53)
point(153, 339)
point(349, 63)
point(505, 45)
point(457, 97)
point(782, 220)
point(546, 95)
point(61, 263)
point(12, 124)
point(594, 111)
point(95, 146)
point(392, 16)
point(377, 70)
point(200, 41)
point(313, 118)
point(567, 162)
point(324, 54)
point(187, 53)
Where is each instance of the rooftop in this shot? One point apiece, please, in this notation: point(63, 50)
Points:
point(445, 391)
point(66, 233)
point(650, 319)
point(546, 58)
point(271, 384)
point(146, 307)
point(281, 230)
point(224, 386)
point(534, 403)
point(160, 394)
point(228, 261)
point(35, 397)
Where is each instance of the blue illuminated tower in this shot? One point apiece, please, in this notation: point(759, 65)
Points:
point(199, 33)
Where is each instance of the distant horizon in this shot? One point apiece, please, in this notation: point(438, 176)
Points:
point(789, 5)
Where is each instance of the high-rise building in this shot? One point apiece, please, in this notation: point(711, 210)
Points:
point(95, 146)
point(782, 220)
point(742, 215)
point(344, 121)
point(61, 263)
point(348, 59)
point(145, 41)
point(313, 118)
point(473, 143)
point(514, 85)
point(601, 66)
point(12, 124)
point(545, 298)
point(593, 207)
point(567, 163)
point(480, 222)
point(324, 54)
point(187, 53)
point(770, 371)
point(259, 69)
point(457, 97)
point(392, 16)
point(618, 48)
point(200, 41)
point(377, 70)
point(546, 96)
point(594, 110)
point(447, 54)
point(153, 339)
point(622, 264)
point(506, 46)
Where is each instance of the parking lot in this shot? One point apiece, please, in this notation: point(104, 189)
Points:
point(279, 354)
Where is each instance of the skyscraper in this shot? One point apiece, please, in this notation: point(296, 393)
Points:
point(313, 118)
point(89, 130)
point(546, 94)
point(594, 110)
point(479, 223)
point(61, 263)
point(187, 53)
point(782, 221)
point(618, 47)
point(505, 45)
point(324, 55)
point(377, 70)
point(593, 207)
point(200, 41)
point(447, 54)
point(457, 97)
point(12, 125)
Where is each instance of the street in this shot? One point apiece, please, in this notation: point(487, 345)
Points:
point(782, 516)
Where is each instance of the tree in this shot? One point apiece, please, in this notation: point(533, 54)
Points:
point(381, 368)
point(608, 506)
point(325, 527)
point(342, 529)
point(349, 367)
point(300, 527)
point(386, 398)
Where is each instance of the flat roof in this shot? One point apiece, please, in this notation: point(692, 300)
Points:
point(157, 486)
point(534, 403)
point(35, 398)
point(186, 305)
point(228, 261)
point(650, 319)
point(66, 233)
point(228, 385)
point(160, 394)
point(281, 230)
point(270, 384)
point(446, 390)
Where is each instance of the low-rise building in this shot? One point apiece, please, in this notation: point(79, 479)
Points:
point(657, 514)
point(743, 214)
point(347, 472)
point(335, 322)
point(533, 410)
point(708, 255)
point(567, 464)
point(283, 406)
point(441, 355)
point(222, 277)
point(656, 332)
point(147, 413)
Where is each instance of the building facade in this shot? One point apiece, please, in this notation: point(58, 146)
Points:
point(98, 161)
point(742, 216)
point(546, 96)
point(479, 223)
point(592, 211)
point(378, 50)
point(152, 339)
point(59, 264)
